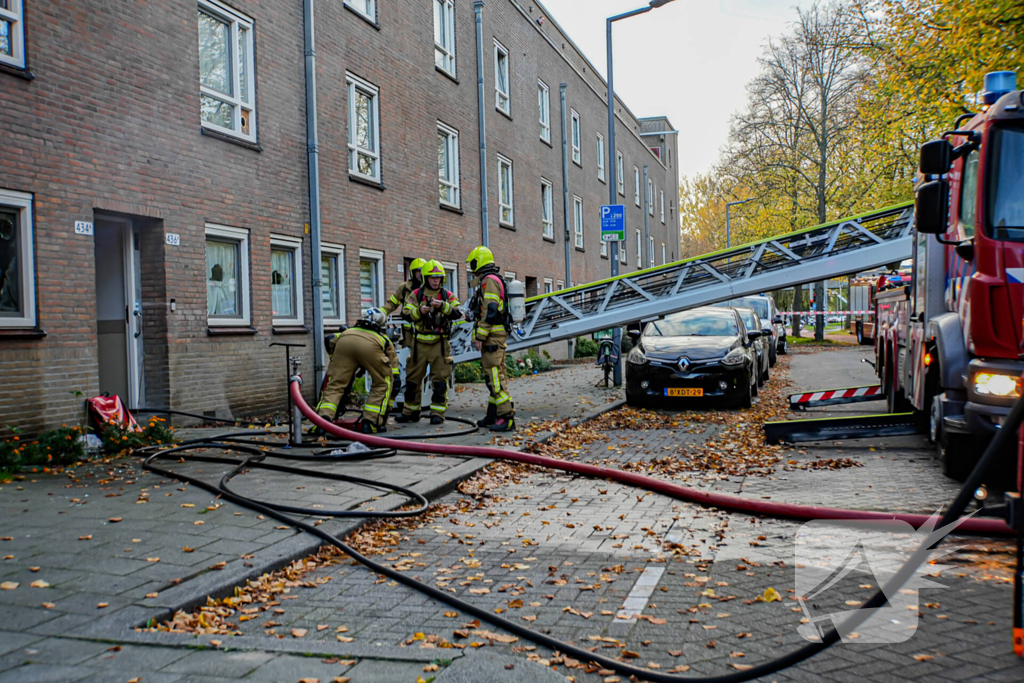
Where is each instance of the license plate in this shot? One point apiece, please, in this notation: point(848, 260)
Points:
point(684, 392)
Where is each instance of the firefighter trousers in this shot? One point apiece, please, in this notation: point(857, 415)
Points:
point(438, 357)
point(351, 354)
point(492, 359)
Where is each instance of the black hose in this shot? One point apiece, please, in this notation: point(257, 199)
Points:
point(944, 527)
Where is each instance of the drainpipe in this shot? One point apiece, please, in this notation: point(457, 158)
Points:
point(565, 199)
point(313, 158)
point(648, 202)
point(478, 9)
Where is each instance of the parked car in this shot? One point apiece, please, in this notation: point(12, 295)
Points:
point(762, 344)
point(703, 353)
point(764, 306)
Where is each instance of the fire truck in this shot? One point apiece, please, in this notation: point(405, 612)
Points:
point(951, 343)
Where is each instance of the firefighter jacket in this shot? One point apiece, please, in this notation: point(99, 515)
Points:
point(489, 310)
point(432, 327)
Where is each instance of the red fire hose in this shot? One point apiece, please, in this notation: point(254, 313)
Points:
point(984, 527)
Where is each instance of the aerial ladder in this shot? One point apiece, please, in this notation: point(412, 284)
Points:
point(834, 249)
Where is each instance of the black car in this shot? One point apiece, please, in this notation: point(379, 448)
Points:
point(762, 344)
point(764, 306)
point(703, 353)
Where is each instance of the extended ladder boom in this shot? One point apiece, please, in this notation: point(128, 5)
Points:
point(831, 250)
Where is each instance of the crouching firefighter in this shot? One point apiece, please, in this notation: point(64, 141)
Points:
point(432, 309)
point(361, 348)
point(396, 302)
point(492, 323)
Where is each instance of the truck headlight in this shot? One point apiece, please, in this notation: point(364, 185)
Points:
point(734, 357)
point(637, 355)
point(990, 384)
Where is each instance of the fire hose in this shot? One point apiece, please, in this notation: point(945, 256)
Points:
point(710, 499)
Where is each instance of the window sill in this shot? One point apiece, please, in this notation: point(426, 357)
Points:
point(451, 77)
point(548, 143)
point(604, 256)
point(25, 333)
point(507, 226)
point(226, 331)
point(548, 239)
point(368, 20)
point(366, 181)
point(602, 181)
point(578, 163)
point(19, 72)
point(579, 248)
point(290, 329)
point(506, 114)
point(453, 209)
point(230, 138)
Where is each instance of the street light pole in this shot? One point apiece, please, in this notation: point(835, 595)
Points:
point(613, 159)
point(728, 227)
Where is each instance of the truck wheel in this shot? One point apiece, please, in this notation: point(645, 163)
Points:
point(861, 339)
point(957, 455)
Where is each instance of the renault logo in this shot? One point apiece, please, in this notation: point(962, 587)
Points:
point(684, 364)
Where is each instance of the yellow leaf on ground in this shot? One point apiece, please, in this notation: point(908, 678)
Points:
point(102, 605)
point(924, 658)
point(39, 583)
point(344, 639)
point(771, 595)
point(48, 605)
point(298, 632)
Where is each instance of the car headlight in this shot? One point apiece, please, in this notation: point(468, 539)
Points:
point(990, 384)
point(637, 355)
point(734, 357)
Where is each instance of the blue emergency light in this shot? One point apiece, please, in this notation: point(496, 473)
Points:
point(997, 84)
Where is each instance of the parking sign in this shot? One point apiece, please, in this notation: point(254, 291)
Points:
point(613, 223)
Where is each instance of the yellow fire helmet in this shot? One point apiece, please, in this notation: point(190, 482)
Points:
point(479, 257)
point(432, 269)
point(417, 264)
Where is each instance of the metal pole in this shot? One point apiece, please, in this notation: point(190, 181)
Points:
point(565, 198)
point(612, 189)
point(313, 159)
point(478, 8)
point(648, 201)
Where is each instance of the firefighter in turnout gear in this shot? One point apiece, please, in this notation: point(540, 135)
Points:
point(363, 347)
point(396, 302)
point(432, 308)
point(489, 308)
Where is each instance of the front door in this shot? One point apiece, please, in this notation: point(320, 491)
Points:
point(119, 309)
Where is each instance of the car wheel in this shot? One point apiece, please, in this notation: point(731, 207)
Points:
point(784, 348)
point(957, 454)
point(747, 400)
point(773, 356)
point(766, 376)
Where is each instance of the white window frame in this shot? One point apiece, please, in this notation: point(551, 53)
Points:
point(509, 275)
point(16, 16)
point(650, 252)
point(451, 277)
point(506, 202)
point(604, 249)
point(636, 186)
point(544, 110)
point(378, 257)
point(239, 106)
point(650, 196)
point(445, 54)
point(452, 146)
point(502, 99)
point(620, 172)
point(577, 221)
point(295, 245)
point(354, 83)
point(547, 208)
point(338, 252)
point(661, 197)
point(22, 202)
point(575, 137)
point(639, 250)
point(241, 237)
point(371, 6)
point(600, 158)
point(549, 286)
point(663, 254)
point(623, 252)
point(559, 285)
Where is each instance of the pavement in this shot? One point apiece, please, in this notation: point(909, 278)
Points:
point(655, 582)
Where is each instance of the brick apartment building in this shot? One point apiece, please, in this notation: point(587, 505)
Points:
point(154, 187)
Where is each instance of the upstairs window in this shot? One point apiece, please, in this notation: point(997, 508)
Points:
point(650, 196)
point(367, 8)
point(577, 154)
point(620, 173)
point(661, 202)
point(226, 89)
point(502, 90)
point(577, 223)
point(448, 165)
point(600, 157)
point(444, 36)
point(639, 250)
point(547, 211)
point(363, 129)
point(544, 110)
point(12, 33)
point(506, 214)
point(636, 186)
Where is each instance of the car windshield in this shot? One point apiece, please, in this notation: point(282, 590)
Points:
point(749, 319)
point(759, 304)
point(699, 323)
point(1006, 197)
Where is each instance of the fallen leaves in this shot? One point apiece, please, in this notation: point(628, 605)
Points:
point(39, 583)
point(9, 585)
point(298, 632)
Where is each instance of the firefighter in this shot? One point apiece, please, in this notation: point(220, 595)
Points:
point(361, 348)
point(489, 308)
point(432, 309)
point(396, 302)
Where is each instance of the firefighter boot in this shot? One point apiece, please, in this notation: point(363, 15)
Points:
point(366, 427)
point(408, 417)
point(504, 424)
point(490, 418)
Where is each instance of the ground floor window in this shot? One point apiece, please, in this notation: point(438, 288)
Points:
point(227, 275)
point(17, 272)
point(371, 278)
point(286, 280)
point(332, 268)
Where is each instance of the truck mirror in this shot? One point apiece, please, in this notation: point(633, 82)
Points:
point(931, 207)
point(936, 157)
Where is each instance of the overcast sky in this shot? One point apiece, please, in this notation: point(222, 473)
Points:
point(688, 60)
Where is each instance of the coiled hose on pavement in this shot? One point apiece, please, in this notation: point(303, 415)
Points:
point(945, 525)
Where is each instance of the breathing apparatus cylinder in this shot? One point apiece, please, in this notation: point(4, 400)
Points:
point(517, 301)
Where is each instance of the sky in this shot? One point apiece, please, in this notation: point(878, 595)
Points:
point(689, 60)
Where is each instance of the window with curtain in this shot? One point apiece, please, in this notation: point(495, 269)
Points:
point(448, 164)
point(227, 101)
point(331, 291)
point(223, 294)
point(282, 283)
point(369, 283)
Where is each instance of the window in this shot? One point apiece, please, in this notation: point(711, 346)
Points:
point(227, 276)
point(286, 280)
point(622, 251)
point(559, 285)
point(577, 221)
point(604, 249)
point(663, 261)
point(544, 110)
point(451, 277)
point(969, 194)
point(636, 185)
point(332, 273)
point(444, 36)
point(371, 278)
point(600, 157)
point(505, 192)
point(620, 173)
point(577, 155)
point(368, 8)
point(448, 165)
point(549, 286)
point(227, 100)
point(17, 256)
point(12, 34)
point(661, 203)
point(650, 196)
point(363, 129)
point(502, 99)
point(639, 250)
point(650, 253)
point(547, 210)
